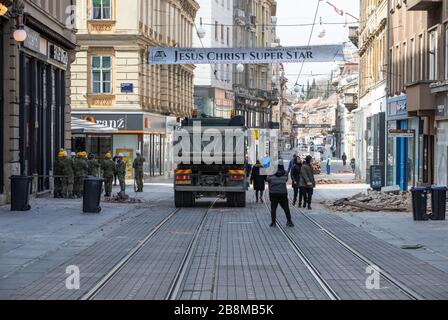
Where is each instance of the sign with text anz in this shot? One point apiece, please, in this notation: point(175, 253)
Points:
point(321, 53)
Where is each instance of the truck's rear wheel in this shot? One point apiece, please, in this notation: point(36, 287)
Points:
point(231, 199)
point(184, 199)
point(240, 199)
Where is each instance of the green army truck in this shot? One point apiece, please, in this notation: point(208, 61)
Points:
point(202, 171)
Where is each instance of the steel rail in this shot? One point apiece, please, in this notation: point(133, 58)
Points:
point(308, 264)
point(398, 284)
point(175, 287)
point(123, 262)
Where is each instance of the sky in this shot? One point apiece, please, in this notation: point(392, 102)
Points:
point(302, 12)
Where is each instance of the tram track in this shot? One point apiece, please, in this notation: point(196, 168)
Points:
point(392, 280)
point(175, 286)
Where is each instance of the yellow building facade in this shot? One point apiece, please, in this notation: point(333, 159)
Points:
point(113, 84)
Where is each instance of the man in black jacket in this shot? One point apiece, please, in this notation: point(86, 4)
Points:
point(278, 194)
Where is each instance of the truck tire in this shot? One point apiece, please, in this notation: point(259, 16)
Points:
point(231, 199)
point(240, 199)
point(184, 199)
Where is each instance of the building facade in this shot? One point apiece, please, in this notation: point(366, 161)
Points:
point(370, 119)
point(254, 27)
point(213, 91)
point(113, 84)
point(414, 55)
point(35, 90)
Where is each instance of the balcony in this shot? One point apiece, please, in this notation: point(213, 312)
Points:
point(421, 5)
point(419, 97)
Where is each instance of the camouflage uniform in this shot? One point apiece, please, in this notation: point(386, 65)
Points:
point(58, 171)
point(94, 167)
point(121, 171)
point(68, 180)
point(138, 171)
point(108, 168)
point(80, 169)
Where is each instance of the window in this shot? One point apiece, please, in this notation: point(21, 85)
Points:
point(222, 33)
point(446, 52)
point(432, 55)
point(421, 58)
point(102, 9)
point(216, 30)
point(101, 74)
point(228, 36)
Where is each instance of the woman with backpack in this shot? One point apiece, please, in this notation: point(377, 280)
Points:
point(307, 182)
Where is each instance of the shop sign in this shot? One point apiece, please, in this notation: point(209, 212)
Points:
point(318, 53)
point(117, 121)
point(401, 133)
point(32, 40)
point(127, 87)
point(440, 111)
point(397, 108)
point(58, 54)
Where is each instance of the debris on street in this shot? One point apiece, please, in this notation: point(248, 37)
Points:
point(373, 201)
point(337, 181)
point(122, 198)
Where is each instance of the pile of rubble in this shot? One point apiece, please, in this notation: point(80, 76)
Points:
point(337, 181)
point(122, 198)
point(373, 201)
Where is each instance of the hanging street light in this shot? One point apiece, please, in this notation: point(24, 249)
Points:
point(3, 9)
point(322, 31)
point(201, 31)
point(240, 67)
point(297, 88)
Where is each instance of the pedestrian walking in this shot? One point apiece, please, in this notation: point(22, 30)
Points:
point(68, 177)
point(307, 182)
point(80, 168)
point(329, 166)
point(353, 164)
point(108, 171)
point(138, 170)
point(344, 159)
point(258, 181)
point(94, 166)
point(58, 171)
point(278, 194)
point(295, 177)
point(292, 163)
point(121, 172)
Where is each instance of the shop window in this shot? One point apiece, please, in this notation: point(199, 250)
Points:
point(101, 9)
point(101, 74)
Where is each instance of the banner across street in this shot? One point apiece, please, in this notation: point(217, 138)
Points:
point(320, 53)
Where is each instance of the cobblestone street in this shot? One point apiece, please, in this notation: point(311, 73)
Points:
point(151, 250)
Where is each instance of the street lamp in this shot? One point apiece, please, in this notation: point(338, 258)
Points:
point(3, 9)
point(20, 34)
point(240, 67)
point(201, 31)
point(17, 13)
point(322, 31)
point(297, 88)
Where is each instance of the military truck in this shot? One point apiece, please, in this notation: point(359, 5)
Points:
point(220, 175)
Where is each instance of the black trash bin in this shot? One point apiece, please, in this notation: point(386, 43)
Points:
point(92, 195)
point(20, 193)
point(438, 202)
point(419, 203)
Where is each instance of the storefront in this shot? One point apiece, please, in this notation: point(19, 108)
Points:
point(43, 66)
point(375, 142)
point(136, 131)
point(2, 101)
point(402, 145)
point(441, 165)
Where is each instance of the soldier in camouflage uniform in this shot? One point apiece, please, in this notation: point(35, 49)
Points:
point(58, 173)
point(108, 169)
point(138, 170)
point(80, 169)
point(94, 166)
point(121, 171)
point(68, 180)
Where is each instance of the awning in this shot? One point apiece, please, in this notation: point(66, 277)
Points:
point(80, 126)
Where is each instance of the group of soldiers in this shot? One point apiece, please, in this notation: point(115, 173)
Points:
point(70, 172)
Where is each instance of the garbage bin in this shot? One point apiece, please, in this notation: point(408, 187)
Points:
point(92, 195)
point(438, 202)
point(20, 193)
point(419, 203)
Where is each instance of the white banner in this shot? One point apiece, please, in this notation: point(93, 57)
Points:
point(322, 53)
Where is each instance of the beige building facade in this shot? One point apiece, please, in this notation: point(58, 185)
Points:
point(113, 84)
